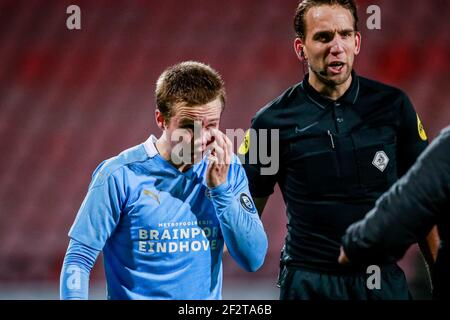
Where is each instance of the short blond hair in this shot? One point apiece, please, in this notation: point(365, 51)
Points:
point(191, 82)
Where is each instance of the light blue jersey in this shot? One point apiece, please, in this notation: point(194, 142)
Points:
point(162, 231)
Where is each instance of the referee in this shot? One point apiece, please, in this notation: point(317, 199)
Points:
point(343, 141)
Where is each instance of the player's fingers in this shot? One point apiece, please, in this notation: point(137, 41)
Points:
point(219, 136)
point(229, 149)
point(205, 139)
point(219, 152)
point(210, 148)
point(214, 150)
point(212, 162)
point(223, 144)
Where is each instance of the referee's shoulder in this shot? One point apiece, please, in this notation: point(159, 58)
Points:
point(372, 86)
point(265, 116)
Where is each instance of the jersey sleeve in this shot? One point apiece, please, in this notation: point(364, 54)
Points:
point(100, 211)
point(77, 266)
point(412, 139)
point(407, 212)
point(241, 226)
point(259, 154)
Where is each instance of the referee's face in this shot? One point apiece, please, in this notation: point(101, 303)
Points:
point(330, 44)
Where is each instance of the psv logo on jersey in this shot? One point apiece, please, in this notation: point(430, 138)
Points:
point(380, 160)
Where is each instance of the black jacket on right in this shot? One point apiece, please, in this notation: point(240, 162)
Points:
point(407, 213)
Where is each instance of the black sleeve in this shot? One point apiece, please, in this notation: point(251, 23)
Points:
point(407, 212)
point(412, 139)
point(259, 154)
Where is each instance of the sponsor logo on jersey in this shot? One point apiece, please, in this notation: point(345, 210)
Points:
point(151, 194)
point(180, 236)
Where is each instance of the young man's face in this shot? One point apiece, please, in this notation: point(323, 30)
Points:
point(331, 43)
point(191, 129)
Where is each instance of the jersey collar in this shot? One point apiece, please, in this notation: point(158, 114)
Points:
point(150, 147)
point(349, 97)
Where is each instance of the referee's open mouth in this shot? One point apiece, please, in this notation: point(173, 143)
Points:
point(336, 67)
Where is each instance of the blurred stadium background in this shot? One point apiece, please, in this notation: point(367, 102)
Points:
point(69, 99)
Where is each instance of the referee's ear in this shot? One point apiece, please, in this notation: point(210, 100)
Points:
point(357, 42)
point(299, 49)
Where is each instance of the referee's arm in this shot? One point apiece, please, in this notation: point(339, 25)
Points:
point(260, 204)
point(412, 140)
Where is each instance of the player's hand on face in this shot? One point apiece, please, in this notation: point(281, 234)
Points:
point(221, 152)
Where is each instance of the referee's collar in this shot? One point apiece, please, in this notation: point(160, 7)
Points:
point(150, 147)
point(350, 96)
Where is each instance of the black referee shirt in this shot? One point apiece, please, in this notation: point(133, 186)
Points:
point(420, 200)
point(335, 159)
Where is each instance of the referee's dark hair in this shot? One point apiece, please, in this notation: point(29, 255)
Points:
point(305, 5)
point(190, 82)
